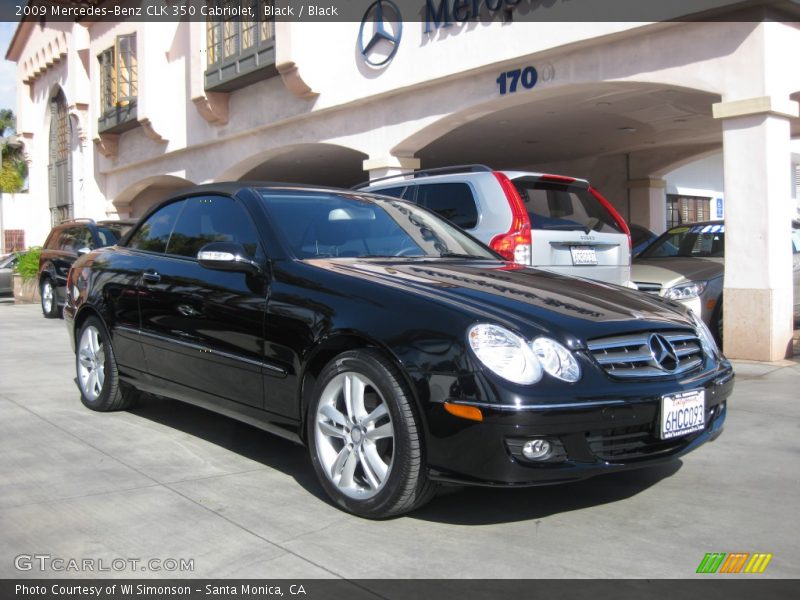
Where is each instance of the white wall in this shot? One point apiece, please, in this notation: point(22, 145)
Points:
point(702, 177)
point(27, 212)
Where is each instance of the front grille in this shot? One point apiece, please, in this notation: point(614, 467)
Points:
point(650, 288)
point(642, 441)
point(648, 354)
point(630, 443)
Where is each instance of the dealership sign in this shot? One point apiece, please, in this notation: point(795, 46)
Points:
point(442, 13)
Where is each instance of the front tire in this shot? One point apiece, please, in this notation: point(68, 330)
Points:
point(96, 368)
point(364, 438)
point(49, 299)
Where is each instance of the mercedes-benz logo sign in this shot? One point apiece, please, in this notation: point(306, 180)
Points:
point(380, 33)
point(664, 356)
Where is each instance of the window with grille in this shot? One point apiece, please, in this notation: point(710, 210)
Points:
point(118, 85)
point(687, 209)
point(239, 49)
point(59, 165)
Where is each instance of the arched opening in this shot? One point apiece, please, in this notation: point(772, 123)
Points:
point(134, 201)
point(316, 164)
point(59, 167)
point(569, 123)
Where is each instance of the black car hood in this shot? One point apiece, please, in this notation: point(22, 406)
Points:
point(531, 300)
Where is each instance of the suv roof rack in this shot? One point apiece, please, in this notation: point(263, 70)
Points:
point(78, 220)
point(476, 168)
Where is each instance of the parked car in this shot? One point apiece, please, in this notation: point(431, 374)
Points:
point(641, 238)
point(64, 244)
point(402, 351)
point(687, 264)
point(549, 221)
point(7, 264)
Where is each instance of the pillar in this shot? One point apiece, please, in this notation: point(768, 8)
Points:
point(757, 297)
point(385, 166)
point(648, 203)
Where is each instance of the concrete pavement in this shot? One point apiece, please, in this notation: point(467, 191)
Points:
point(167, 480)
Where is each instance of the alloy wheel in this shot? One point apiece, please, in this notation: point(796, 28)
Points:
point(47, 297)
point(91, 363)
point(354, 435)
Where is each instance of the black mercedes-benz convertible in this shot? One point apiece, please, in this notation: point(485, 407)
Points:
point(401, 351)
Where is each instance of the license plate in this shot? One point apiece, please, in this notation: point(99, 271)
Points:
point(583, 255)
point(682, 413)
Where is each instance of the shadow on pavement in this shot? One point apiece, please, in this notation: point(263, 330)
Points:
point(453, 505)
point(243, 439)
point(488, 506)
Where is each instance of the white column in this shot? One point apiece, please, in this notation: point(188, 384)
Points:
point(384, 166)
point(757, 298)
point(648, 205)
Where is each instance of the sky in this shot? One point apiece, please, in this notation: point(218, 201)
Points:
point(8, 94)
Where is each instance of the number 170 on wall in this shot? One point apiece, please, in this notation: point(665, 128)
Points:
point(509, 82)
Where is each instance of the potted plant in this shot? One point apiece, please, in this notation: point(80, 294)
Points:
point(26, 288)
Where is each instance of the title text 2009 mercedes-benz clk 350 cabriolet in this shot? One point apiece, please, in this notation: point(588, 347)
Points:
point(400, 350)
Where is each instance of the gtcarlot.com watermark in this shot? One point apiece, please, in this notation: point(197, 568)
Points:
point(50, 563)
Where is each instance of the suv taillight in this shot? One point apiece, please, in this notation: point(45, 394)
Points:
point(515, 244)
point(613, 211)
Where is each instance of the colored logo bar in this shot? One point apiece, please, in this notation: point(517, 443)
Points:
point(734, 562)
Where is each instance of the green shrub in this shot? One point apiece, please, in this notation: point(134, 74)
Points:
point(28, 264)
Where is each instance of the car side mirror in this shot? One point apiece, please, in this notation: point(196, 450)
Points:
point(227, 256)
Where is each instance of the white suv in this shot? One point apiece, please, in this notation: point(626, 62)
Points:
point(548, 221)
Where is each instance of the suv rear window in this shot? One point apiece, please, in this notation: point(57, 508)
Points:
point(453, 201)
point(564, 207)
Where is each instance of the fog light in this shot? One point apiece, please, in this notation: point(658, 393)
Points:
point(536, 449)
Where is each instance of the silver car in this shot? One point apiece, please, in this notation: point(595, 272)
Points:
point(7, 264)
point(552, 222)
point(687, 264)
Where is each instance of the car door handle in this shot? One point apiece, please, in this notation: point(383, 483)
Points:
point(151, 277)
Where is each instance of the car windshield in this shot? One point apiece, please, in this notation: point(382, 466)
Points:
point(8, 261)
point(689, 241)
point(317, 225)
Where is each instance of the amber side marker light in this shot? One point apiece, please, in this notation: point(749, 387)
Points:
point(465, 412)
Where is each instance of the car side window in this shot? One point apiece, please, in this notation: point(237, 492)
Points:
point(796, 241)
point(207, 219)
point(69, 240)
point(154, 233)
point(453, 201)
point(395, 192)
point(85, 238)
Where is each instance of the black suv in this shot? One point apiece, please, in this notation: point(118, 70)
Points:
point(66, 242)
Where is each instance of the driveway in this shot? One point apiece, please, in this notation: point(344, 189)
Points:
point(171, 481)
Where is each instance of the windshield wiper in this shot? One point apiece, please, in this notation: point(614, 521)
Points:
point(460, 255)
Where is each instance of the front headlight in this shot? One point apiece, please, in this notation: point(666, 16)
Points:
point(504, 353)
point(686, 291)
point(513, 358)
point(706, 338)
point(556, 360)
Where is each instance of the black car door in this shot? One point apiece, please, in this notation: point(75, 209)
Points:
point(201, 328)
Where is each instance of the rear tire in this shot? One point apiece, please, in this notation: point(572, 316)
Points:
point(366, 443)
point(96, 369)
point(49, 299)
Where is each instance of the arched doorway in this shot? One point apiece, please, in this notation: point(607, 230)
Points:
point(59, 167)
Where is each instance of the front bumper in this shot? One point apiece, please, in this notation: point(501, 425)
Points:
point(603, 433)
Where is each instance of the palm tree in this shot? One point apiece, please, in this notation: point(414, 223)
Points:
point(13, 166)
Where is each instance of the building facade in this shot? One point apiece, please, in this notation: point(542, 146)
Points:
point(116, 115)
